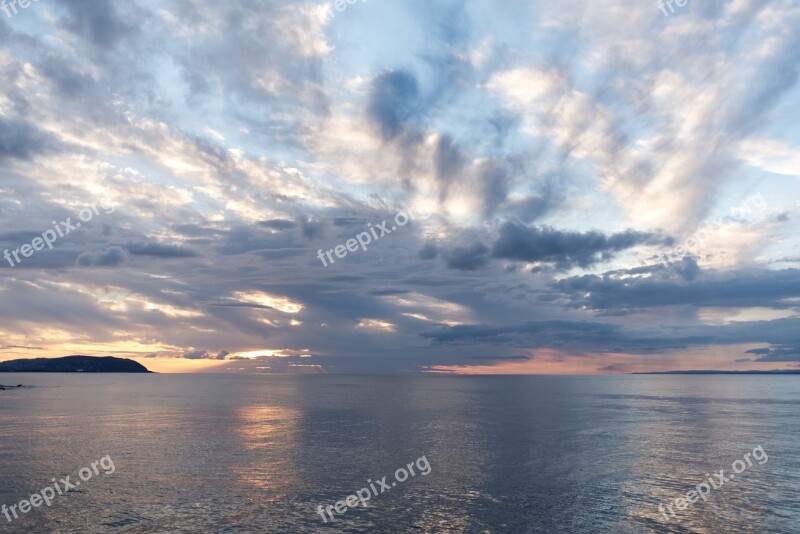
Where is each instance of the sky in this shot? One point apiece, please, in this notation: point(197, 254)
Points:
point(567, 186)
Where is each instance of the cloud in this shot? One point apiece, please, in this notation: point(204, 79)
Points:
point(781, 353)
point(494, 179)
point(393, 102)
point(279, 224)
point(450, 163)
point(632, 124)
point(98, 24)
point(20, 140)
point(564, 250)
point(113, 256)
point(589, 338)
point(161, 250)
point(566, 335)
point(429, 251)
point(312, 229)
point(205, 355)
point(742, 289)
point(530, 208)
point(469, 258)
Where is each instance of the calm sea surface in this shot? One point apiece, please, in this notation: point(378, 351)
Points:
point(213, 453)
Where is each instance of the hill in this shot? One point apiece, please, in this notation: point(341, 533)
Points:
point(73, 364)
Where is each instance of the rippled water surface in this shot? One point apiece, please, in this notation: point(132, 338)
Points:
point(209, 453)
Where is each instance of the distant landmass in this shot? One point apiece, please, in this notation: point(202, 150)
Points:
point(73, 364)
point(702, 372)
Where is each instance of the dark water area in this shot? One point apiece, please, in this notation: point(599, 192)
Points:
point(214, 453)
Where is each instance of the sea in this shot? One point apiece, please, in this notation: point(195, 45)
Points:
point(453, 454)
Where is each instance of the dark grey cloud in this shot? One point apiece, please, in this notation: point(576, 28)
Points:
point(494, 178)
point(780, 353)
point(463, 333)
point(450, 161)
point(163, 250)
point(547, 197)
point(580, 337)
point(206, 355)
point(687, 268)
point(99, 24)
point(19, 236)
point(279, 224)
point(113, 256)
point(564, 250)
point(758, 351)
point(312, 229)
point(197, 355)
point(429, 251)
point(281, 253)
point(566, 335)
point(467, 258)
point(616, 291)
point(393, 101)
point(348, 221)
point(20, 140)
point(66, 80)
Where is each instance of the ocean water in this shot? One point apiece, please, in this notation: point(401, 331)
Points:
point(214, 453)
